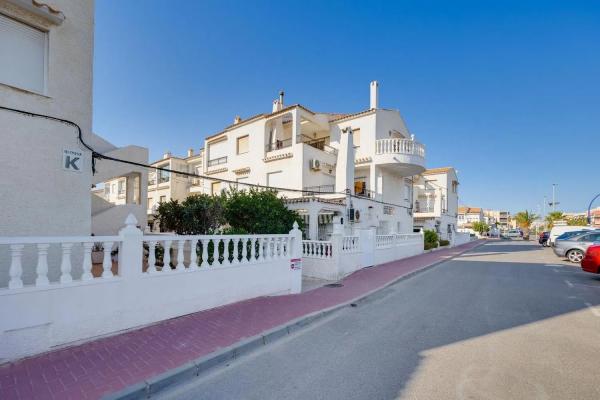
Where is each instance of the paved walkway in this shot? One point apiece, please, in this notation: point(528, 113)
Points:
point(107, 365)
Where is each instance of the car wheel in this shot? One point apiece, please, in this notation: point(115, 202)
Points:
point(575, 256)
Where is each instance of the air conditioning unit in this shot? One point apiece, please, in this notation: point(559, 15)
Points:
point(315, 164)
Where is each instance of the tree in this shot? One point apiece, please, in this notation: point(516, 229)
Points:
point(552, 217)
point(480, 227)
point(258, 211)
point(578, 221)
point(196, 215)
point(525, 220)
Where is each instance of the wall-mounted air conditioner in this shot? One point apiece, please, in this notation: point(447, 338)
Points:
point(315, 164)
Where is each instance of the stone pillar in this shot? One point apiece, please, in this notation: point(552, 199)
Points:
point(296, 260)
point(131, 251)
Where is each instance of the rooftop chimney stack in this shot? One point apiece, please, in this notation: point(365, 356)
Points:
point(237, 120)
point(190, 152)
point(278, 103)
point(374, 95)
point(166, 155)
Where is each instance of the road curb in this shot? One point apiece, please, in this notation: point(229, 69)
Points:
point(201, 365)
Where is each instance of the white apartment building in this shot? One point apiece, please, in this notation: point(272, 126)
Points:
point(436, 201)
point(46, 68)
point(497, 217)
point(357, 166)
point(468, 215)
point(164, 186)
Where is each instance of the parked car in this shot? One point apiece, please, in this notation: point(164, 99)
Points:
point(591, 261)
point(574, 248)
point(559, 230)
point(543, 238)
point(568, 235)
point(513, 233)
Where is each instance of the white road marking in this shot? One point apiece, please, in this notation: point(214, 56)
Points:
point(568, 283)
point(586, 285)
point(593, 309)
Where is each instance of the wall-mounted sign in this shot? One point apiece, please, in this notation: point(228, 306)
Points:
point(72, 160)
point(296, 264)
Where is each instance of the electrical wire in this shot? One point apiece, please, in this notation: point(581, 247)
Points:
point(100, 156)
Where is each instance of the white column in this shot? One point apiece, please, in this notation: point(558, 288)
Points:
point(344, 170)
point(87, 262)
point(42, 265)
point(296, 259)
point(16, 268)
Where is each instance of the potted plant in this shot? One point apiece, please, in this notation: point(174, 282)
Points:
point(97, 253)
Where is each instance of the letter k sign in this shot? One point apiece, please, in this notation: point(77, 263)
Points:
point(71, 163)
point(72, 160)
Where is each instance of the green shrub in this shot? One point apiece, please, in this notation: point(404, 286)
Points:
point(430, 239)
point(429, 246)
point(444, 242)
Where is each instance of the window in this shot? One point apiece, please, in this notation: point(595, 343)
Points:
point(215, 188)
point(242, 144)
point(163, 199)
point(356, 137)
point(24, 53)
point(164, 176)
point(217, 153)
point(243, 179)
point(121, 187)
point(276, 179)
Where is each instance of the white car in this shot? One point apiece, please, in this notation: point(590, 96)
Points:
point(513, 233)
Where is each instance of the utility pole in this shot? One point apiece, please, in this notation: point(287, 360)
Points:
point(554, 196)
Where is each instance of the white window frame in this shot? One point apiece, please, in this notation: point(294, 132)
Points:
point(46, 33)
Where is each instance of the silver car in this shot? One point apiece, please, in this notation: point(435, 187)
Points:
point(574, 247)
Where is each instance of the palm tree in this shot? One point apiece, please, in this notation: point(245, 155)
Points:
point(525, 219)
point(552, 217)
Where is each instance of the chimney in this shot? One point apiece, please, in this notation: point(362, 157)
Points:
point(278, 103)
point(190, 152)
point(374, 95)
point(237, 120)
point(166, 155)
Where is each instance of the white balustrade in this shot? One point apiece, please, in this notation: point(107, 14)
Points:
point(213, 251)
point(399, 146)
point(317, 249)
point(350, 244)
point(31, 253)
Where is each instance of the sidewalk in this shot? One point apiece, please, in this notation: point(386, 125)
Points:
point(107, 365)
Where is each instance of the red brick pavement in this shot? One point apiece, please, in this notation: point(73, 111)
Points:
point(92, 369)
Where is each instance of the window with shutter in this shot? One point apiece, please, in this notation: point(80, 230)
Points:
point(23, 51)
point(242, 144)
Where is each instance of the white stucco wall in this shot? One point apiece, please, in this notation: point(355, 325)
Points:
point(57, 202)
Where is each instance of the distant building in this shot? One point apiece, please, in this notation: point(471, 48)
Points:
point(436, 201)
point(497, 217)
point(468, 215)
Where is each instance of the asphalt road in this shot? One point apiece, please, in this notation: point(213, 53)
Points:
point(508, 320)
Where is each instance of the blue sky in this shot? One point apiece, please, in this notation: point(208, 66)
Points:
point(506, 92)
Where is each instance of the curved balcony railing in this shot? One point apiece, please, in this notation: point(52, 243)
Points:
point(399, 146)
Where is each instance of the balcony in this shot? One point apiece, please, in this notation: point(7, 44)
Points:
point(278, 144)
point(403, 155)
point(217, 161)
point(312, 190)
point(320, 144)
